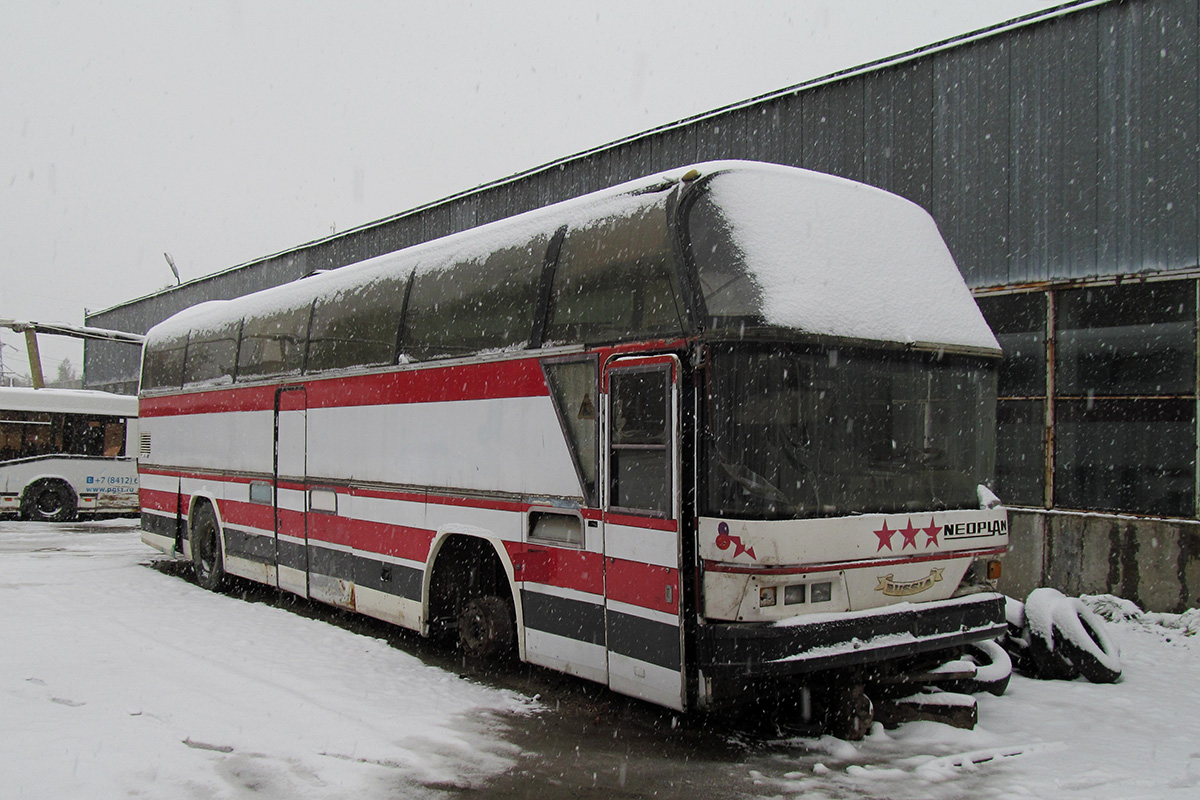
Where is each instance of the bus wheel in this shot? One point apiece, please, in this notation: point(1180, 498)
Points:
point(485, 627)
point(48, 500)
point(849, 712)
point(207, 562)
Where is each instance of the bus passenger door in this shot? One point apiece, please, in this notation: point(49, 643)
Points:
point(290, 479)
point(643, 627)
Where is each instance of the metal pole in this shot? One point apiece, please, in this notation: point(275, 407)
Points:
point(35, 359)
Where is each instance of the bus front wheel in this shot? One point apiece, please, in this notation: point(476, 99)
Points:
point(207, 561)
point(49, 501)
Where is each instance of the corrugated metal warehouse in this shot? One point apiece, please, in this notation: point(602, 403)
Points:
point(1058, 154)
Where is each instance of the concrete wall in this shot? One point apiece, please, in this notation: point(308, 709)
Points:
point(1155, 563)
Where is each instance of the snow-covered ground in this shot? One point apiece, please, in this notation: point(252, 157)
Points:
point(1139, 738)
point(120, 680)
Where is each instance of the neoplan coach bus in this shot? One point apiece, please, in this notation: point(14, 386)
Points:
point(66, 451)
point(694, 437)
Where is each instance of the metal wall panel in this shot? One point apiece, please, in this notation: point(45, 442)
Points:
point(898, 131)
point(1053, 156)
point(970, 158)
point(1147, 131)
point(832, 119)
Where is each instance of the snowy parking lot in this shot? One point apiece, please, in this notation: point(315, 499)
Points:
point(121, 679)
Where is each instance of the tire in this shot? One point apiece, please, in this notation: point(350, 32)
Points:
point(486, 628)
point(1048, 660)
point(1015, 640)
point(993, 670)
point(1082, 638)
point(849, 713)
point(208, 563)
point(1067, 640)
point(49, 500)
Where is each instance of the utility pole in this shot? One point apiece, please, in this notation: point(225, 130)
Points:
point(35, 359)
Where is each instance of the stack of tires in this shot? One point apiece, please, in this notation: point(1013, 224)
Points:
point(1055, 637)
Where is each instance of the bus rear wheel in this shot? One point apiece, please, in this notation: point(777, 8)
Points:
point(485, 627)
point(48, 500)
point(207, 561)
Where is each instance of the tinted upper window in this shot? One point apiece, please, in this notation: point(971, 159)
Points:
point(616, 279)
point(212, 355)
point(358, 326)
point(162, 363)
point(474, 304)
point(273, 342)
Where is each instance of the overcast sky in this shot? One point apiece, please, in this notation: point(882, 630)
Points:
point(227, 130)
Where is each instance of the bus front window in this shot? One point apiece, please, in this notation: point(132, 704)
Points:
point(807, 432)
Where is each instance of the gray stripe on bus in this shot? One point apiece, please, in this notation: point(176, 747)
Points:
point(573, 619)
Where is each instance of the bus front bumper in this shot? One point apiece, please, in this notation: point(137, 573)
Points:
point(833, 641)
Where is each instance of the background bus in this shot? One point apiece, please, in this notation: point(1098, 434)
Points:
point(66, 451)
point(698, 437)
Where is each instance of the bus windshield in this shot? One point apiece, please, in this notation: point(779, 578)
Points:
point(796, 431)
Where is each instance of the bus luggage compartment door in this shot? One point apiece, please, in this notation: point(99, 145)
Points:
point(641, 530)
point(290, 478)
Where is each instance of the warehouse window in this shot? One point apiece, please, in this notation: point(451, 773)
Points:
point(1019, 322)
point(1125, 398)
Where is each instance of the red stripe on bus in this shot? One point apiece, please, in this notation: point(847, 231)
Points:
point(652, 523)
point(555, 566)
point(252, 398)
point(397, 541)
point(739, 569)
point(156, 500)
point(485, 381)
point(644, 585)
point(251, 515)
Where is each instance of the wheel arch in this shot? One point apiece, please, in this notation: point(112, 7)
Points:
point(194, 502)
point(477, 537)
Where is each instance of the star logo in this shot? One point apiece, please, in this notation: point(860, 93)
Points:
point(931, 533)
point(910, 535)
point(885, 537)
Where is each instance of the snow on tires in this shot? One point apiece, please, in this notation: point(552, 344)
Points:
point(1067, 640)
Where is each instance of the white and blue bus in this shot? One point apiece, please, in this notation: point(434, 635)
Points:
point(67, 451)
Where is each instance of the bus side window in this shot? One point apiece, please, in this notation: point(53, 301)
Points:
point(212, 355)
point(114, 439)
point(573, 387)
point(639, 455)
point(357, 327)
point(616, 280)
point(162, 366)
point(478, 303)
point(273, 342)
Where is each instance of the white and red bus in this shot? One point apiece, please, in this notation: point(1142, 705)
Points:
point(67, 451)
point(700, 435)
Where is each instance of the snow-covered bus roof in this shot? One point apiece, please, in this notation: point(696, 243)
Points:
point(817, 255)
point(832, 257)
point(67, 401)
